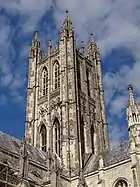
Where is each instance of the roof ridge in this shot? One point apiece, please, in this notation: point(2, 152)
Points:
point(10, 136)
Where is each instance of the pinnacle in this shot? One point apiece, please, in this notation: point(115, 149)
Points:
point(130, 87)
point(36, 35)
point(131, 95)
point(50, 43)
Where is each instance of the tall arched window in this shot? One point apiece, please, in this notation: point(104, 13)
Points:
point(56, 75)
point(82, 137)
point(121, 183)
point(88, 86)
point(45, 81)
point(78, 74)
point(43, 135)
point(92, 138)
point(57, 136)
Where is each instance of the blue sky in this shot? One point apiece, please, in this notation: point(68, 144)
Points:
point(116, 27)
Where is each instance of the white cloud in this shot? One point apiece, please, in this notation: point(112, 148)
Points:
point(117, 83)
point(116, 134)
point(33, 10)
point(118, 104)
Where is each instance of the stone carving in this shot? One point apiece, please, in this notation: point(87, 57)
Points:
point(43, 110)
point(55, 103)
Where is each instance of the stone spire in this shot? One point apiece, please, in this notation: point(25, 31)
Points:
point(132, 109)
point(67, 29)
point(82, 49)
point(131, 96)
point(92, 47)
point(35, 41)
point(35, 48)
point(133, 119)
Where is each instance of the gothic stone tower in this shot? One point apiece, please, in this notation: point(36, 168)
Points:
point(65, 100)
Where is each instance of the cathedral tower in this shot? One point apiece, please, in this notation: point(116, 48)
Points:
point(65, 100)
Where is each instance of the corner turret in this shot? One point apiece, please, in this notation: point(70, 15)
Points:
point(133, 113)
point(133, 119)
point(92, 47)
point(35, 48)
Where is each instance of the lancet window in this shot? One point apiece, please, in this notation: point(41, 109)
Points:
point(92, 138)
point(45, 81)
point(56, 75)
point(82, 137)
point(57, 136)
point(88, 83)
point(43, 133)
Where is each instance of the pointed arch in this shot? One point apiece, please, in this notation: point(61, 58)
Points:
point(45, 81)
point(56, 73)
point(43, 137)
point(57, 136)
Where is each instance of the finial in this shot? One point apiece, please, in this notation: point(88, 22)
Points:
point(91, 39)
point(67, 13)
point(49, 47)
point(50, 43)
point(82, 47)
point(131, 95)
point(36, 35)
point(130, 87)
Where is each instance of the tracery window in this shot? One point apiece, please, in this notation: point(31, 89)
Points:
point(121, 183)
point(88, 84)
point(45, 81)
point(43, 133)
point(56, 75)
point(57, 136)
